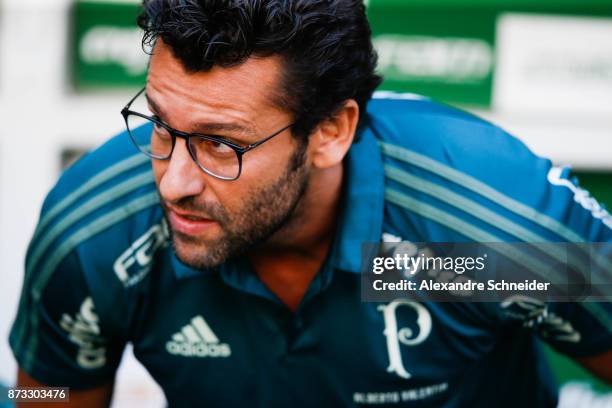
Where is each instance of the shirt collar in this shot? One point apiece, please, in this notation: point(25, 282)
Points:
point(361, 215)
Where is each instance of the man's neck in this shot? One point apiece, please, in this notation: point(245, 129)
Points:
point(291, 258)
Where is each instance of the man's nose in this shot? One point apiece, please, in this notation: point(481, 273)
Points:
point(182, 178)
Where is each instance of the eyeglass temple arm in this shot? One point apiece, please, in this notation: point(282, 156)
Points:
point(259, 142)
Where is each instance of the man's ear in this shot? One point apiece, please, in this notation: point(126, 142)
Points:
point(333, 137)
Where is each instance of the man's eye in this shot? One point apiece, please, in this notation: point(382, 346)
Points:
point(160, 130)
point(212, 147)
point(219, 147)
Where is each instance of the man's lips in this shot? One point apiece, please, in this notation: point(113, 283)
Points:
point(189, 224)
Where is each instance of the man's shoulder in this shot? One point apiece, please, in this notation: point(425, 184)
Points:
point(458, 176)
point(419, 108)
point(442, 143)
point(432, 128)
point(96, 213)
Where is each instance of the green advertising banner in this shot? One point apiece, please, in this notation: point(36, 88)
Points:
point(446, 49)
point(106, 45)
point(446, 54)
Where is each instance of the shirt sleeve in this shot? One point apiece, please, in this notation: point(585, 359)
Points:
point(580, 328)
point(58, 337)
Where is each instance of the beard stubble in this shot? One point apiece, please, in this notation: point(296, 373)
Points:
point(267, 209)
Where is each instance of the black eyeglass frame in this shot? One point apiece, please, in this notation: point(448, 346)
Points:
point(174, 133)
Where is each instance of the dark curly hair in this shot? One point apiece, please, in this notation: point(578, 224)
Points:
point(325, 46)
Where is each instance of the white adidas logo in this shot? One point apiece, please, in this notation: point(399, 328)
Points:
point(196, 339)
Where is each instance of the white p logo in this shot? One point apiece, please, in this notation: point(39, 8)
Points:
point(404, 335)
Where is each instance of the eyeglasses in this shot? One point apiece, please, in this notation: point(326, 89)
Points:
point(215, 155)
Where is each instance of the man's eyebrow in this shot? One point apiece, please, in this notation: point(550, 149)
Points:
point(206, 128)
point(220, 127)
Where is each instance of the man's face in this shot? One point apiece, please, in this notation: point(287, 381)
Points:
point(212, 219)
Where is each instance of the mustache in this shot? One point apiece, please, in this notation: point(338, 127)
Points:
point(212, 211)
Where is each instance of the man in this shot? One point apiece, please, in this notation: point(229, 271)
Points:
point(231, 259)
